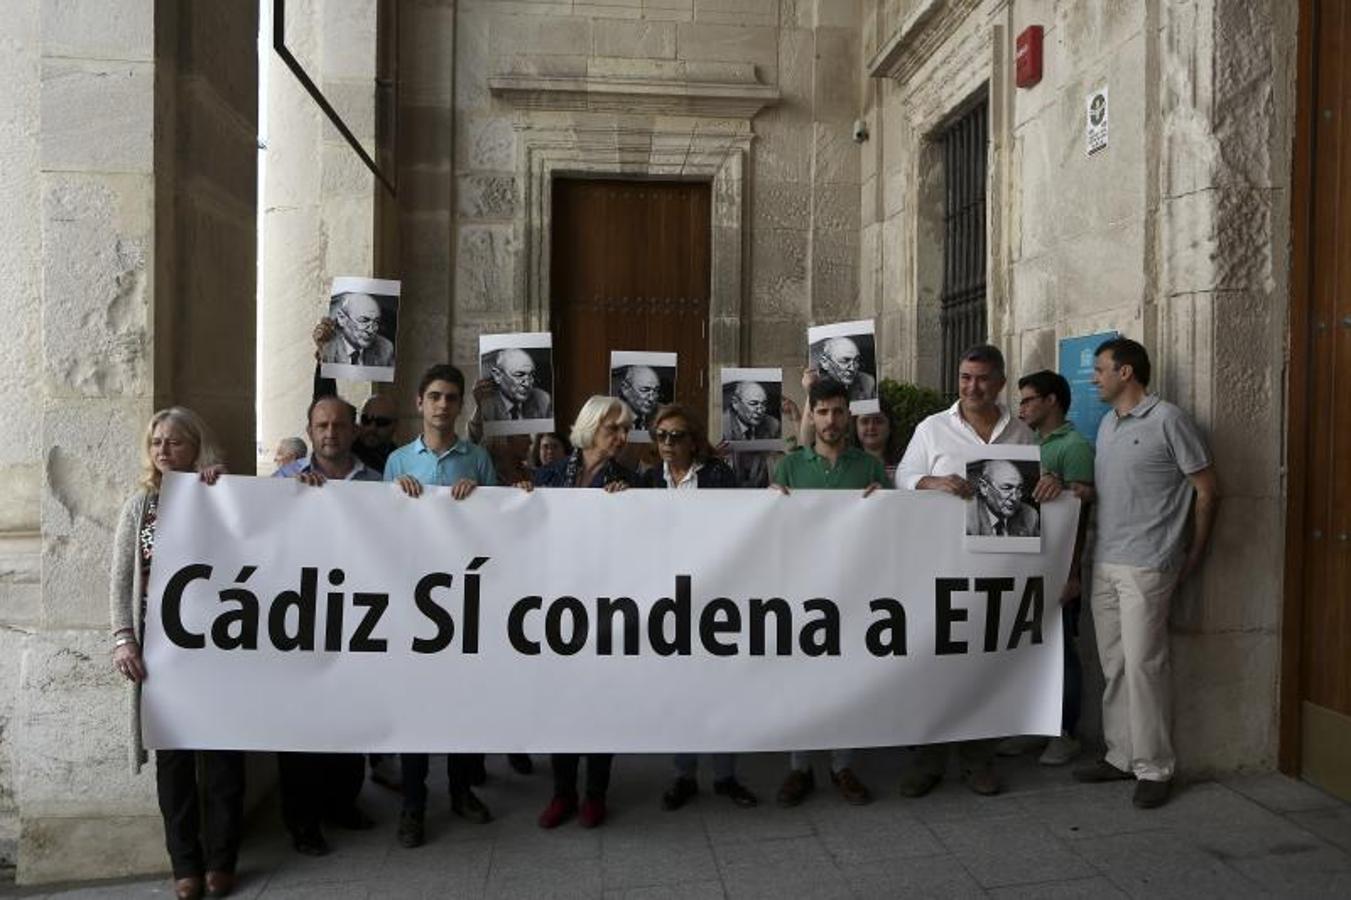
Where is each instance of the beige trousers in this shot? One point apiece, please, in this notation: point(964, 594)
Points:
point(1130, 614)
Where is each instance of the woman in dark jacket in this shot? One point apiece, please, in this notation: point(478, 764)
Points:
point(687, 459)
point(688, 463)
point(599, 435)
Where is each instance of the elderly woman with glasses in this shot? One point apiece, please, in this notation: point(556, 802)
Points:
point(688, 463)
point(201, 842)
point(598, 436)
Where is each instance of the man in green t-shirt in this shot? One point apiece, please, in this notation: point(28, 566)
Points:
point(828, 463)
point(1044, 399)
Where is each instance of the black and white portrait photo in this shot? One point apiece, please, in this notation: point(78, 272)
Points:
point(365, 315)
point(644, 381)
point(751, 401)
point(1001, 516)
point(847, 352)
point(521, 369)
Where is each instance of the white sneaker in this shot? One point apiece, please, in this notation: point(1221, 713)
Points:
point(1059, 751)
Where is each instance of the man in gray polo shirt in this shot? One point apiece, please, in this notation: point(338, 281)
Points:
point(1151, 462)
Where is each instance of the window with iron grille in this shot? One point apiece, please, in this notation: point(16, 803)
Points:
point(962, 303)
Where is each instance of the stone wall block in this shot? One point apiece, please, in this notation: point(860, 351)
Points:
point(737, 12)
point(97, 116)
point(837, 158)
point(516, 35)
point(21, 576)
point(486, 196)
point(1086, 32)
point(355, 105)
point(98, 29)
point(208, 49)
point(81, 803)
point(781, 153)
point(645, 40)
point(835, 207)
point(484, 265)
point(96, 285)
point(601, 9)
point(215, 366)
point(836, 95)
point(1230, 671)
point(343, 173)
point(669, 10)
point(730, 43)
point(796, 69)
point(1036, 351)
point(426, 68)
point(1239, 588)
point(1244, 86)
point(485, 144)
point(780, 342)
point(779, 261)
point(782, 204)
point(347, 232)
point(220, 142)
point(471, 56)
point(349, 35)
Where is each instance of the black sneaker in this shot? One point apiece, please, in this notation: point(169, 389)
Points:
point(470, 808)
point(310, 842)
point(796, 787)
point(1151, 794)
point(735, 791)
point(411, 830)
point(681, 791)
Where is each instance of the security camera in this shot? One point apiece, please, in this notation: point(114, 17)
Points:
point(860, 131)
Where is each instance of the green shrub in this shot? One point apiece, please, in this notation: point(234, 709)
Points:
point(909, 404)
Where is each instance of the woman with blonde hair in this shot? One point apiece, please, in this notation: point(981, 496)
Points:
point(599, 435)
point(176, 440)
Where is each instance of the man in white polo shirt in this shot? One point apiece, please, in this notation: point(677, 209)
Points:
point(935, 460)
point(1151, 461)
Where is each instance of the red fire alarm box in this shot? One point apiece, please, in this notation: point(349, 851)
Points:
point(1028, 65)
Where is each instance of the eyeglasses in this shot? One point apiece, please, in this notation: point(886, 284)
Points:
point(377, 421)
point(662, 436)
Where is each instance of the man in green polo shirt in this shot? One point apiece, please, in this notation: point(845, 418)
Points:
point(828, 463)
point(1044, 399)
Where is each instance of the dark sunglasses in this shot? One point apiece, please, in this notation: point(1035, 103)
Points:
point(662, 436)
point(377, 421)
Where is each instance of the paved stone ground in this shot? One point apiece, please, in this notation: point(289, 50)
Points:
point(1046, 837)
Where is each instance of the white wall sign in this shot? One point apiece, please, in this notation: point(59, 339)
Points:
point(1095, 120)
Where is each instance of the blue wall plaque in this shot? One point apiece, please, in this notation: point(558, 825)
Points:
point(1076, 364)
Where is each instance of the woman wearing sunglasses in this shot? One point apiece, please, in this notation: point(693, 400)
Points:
point(688, 463)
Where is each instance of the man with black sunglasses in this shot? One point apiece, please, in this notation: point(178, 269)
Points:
point(375, 437)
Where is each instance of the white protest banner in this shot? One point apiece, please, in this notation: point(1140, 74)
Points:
point(352, 618)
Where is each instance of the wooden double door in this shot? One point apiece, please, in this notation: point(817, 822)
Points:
point(1316, 671)
point(629, 270)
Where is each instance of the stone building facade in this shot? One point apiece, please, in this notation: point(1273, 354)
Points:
point(131, 139)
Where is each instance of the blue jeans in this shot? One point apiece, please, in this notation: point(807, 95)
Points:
point(724, 765)
point(1072, 702)
point(802, 760)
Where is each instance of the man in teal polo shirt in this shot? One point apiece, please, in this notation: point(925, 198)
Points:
point(1044, 399)
point(439, 457)
point(829, 463)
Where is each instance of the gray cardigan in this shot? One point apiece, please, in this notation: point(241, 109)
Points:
point(125, 600)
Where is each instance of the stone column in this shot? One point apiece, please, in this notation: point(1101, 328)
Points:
point(82, 813)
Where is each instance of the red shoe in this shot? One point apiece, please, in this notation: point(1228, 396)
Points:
point(593, 812)
point(560, 809)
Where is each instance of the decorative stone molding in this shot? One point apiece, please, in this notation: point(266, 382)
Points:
point(654, 87)
point(927, 28)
